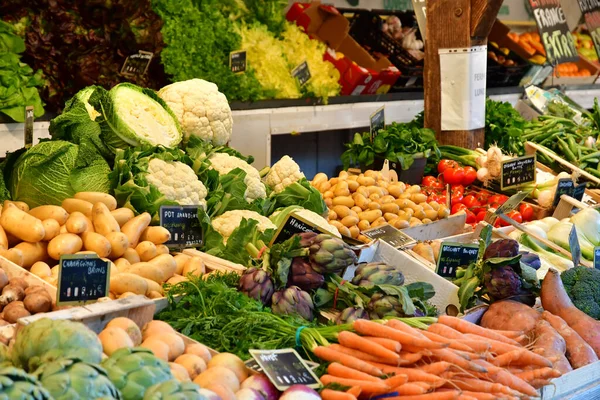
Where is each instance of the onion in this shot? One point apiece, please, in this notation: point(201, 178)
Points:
point(482, 174)
point(263, 385)
point(249, 394)
point(300, 392)
point(546, 198)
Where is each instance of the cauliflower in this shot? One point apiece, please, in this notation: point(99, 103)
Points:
point(224, 164)
point(226, 223)
point(278, 217)
point(177, 182)
point(283, 173)
point(201, 110)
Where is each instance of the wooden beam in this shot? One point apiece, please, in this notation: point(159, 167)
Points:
point(483, 15)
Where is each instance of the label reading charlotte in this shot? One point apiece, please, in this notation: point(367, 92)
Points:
point(517, 171)
point(574, 246)
point(183, 224)
point(377, 122)
point(302, 73)
point(454, 255)
point(390, 235)
point(82, 278)
point(237, 61)
point(293, 225)
point(28, 138)
point(285, 368)
point(137, 64)
point(564, 186)
point(591, 15)
point(554, 31)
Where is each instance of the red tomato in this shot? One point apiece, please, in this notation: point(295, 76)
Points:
point(494, 205)
point(498, 198)
point(526, 211)
point(515, 215)
point(429, 181)
point(443, 164)
point(454, 176)
point(437, 185)
point(482, 197)
point(457, 197)
point(457, 188)
point(470, 176)
point(471, 218)
point(458, 207)
point(481, 216)
point(442, 199)
point(471, 201)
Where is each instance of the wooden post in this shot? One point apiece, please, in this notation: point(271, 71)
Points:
point(453, 24)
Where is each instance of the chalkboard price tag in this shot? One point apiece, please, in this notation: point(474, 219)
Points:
point(591, 15)
point(597, 257)
point(579, 191)
point(302, 73)
point(82, 278)
point(574, 246)
point(564, 186)
point(183, 224)
point(554, 31)
point(254, 366)
point(517, 171)
point(285, 368)
point(137, 64)
point(29, 115)
point(377, 122)
point(237, 61)
point(512, 203)
point(293, 225)
point(392, 236)
point(454, 255)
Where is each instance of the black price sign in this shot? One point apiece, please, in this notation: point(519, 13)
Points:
point(29, 115)
point(579, 191)
point(390, 235)
point(574, 246)
point(554, 31)
point(454, 255)
point(82, 278)
point(377, 122)
point(597, 257)
point(183, 224)
point(292, 226)
point(137, 64)
point(285, 368)
point(517, 171)
point(237, 61)
point(591, 14)
point(564, 186)
point(512, 203)
point(302, 73)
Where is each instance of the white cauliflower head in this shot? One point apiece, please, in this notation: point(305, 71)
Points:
point(177, 182)
point(227, 222)
point(283, 173)
point(201, 110)
point(224, 163)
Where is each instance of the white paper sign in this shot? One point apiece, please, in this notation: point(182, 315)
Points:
point(463, 79)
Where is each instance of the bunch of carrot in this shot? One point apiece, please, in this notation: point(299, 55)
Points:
point(452, 359)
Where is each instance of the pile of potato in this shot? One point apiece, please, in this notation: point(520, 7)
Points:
point(359, 202)
point(91, 223)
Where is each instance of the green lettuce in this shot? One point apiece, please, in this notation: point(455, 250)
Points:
point(300, 193)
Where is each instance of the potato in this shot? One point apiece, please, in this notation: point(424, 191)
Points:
point(98, 197)
point(32, 252)
point(128, 282)
point(390, 208)
point(370, 216)
point(104, 222)
point(97, 243)
point(161, 249)
point(343, 201)
point(82, 206)
point(66, 243)
point(146, 250)
point(155, 234)
point(167, 263)
point(19, 204)
point(153, 287)
point(77, 223)
point(194, 266)
point(20, 224)
point(180, 260)
point(350, 220)
point(341, 211)
point(119, 243)
point(51, 229)
point(121, 263)
point(363, 225)
point(131, 255)
point(41, 269)
point(175, 279)
point(122, 215)
point(147, 270)
point(134, 228)
point(4, 239)
point(13, 255)
point(50, 212)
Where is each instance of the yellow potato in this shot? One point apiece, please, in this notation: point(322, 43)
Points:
point(365, 181)
point(414, 189)
point(343, 201)
point(77, 223)
point(146, 270)
point(146, 250)
point(121, 263)
point(51, 229)
point(20, 224)
point(390, 216)
point(50, 212)
point(363, 225)
point(379, 221)
point(97, 243)
point(4, 239)
point(98, 197)
point(443, 212)
point(361, 200)
point(32, 252)
point(118, 244)
point(134, 228)
point(122, 215)
point(332, 215)
point(374, 206)
point(41, 269)
point(431, 214)
point(390, 208)
point(370, 216)
point(155, 234)
point(353, 185)
point(161, 249)
point(13, 255)
point(350, 220)
point(401, 224)
point(341, 211)
point(180, 260)
point(418, 197)
point(167, 264)
point(128, 282)
point(103, 220)
point(354, 231)
point(82, 206)
point(131, 255)
point(355, 210)
point(66, 243)
point(194, 266)
point(19, 204)
point(374, 197)
point(395, 190)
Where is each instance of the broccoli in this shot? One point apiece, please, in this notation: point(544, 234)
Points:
point(583, 287)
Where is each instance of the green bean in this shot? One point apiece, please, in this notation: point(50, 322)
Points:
point(590, 156)
point(566, 150)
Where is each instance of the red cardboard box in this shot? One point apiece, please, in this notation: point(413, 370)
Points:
point(360, 72)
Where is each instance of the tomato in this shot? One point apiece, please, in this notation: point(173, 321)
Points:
point(471, 201)
point(470, 176)
point(443, 164)
point(498, 198)
point(471, 218)
point(481, 216)
point(429, 181)
point(526, 211)
point(437, 184)
point(457, 197)
point(515, 216)
point(454, 176)
point(457, 188)
point(458, 207)
point(482, 197)
point(494, 205)
point(442, 199)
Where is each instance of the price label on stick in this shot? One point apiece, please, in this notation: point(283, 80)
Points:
point(237, 61)
point(579, 191)
point(564, 186)
point(392, 236)
point(82, 278)
point(302, 73)
point(554, 31)
point(28, 135)
point(517, 171)
point(292, 225)
point(285, 368)
point(454, 255)
point(574, 246)
point(591, 15)
point(183, 224)
point(377, 122)
point(137, 64)
point(597, 257)
point(511, 203)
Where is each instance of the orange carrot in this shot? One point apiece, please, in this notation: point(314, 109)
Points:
point(538, 383)
point(496, 346)
point(354, 390)
point(328, 354)
point(353, 341)
point(478, 346)
point(481, 395)
point(508, 334)
point(466, 327)
point(409, 389)
point(446, 395)
point(367, 388)
point(445, 331)
point(355, 353)
point(337, 369)
point(477, 385)
point(413, 374)
point(409, 358)
point(521, 356)
point(505, 378)
point(426, 385)
point(396, 380)
point(328, 394)
point(540, 373)
point(452, 357)
point(387, 343)
point(416, 349)
point(371, 328)
point(453, 344)
point(401, 326)
point(437, 367)
point(463, 396)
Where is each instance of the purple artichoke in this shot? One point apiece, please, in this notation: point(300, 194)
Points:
point(328, 254)
point(293, 300)
point(304, 276)
point(502, 282)
point(351, 314)
point(504, 248)
point(257, 284)
point(377, 274)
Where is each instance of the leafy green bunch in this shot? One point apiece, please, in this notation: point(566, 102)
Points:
point(504, 127)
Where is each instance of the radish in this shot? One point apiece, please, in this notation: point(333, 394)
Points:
point(249, 394)
point(300, 392)
point(263, 385)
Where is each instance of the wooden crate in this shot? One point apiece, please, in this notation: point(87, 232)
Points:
point(14, 271)
point(213, 263)
point(581, 384)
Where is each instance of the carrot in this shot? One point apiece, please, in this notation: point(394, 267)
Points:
point(331, 355)
point(353, 341)
point(409, 358)
point(401, 326)
point(452, 357)
point(478, 346)
point(416, 349)
point(396, 380)
point(354, 390)
point(425, 385)
point(496, 346)
point(508, 334)
point(371, 328)
point(445, 331)
point(341, 371)
point(463, 396)
point(538, 383)
point(466, 327)
point(413, 374)
point(540, 373)
point(437, 367)
point(481, 395)
point(453, 344)
point(387, 343)
point(521, 356)
point(477, 385)
point(355, 353)
point(328, 394)
point(367, 388)
point(447, 395)
point(507, 379)
point(409, 389)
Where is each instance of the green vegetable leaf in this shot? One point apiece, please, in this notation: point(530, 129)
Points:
point(401, 292)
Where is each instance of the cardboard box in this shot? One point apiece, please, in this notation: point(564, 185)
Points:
point(583, 63)
point(360, 72)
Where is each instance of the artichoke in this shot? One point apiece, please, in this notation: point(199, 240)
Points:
point(377, 274)
point(257, 284)
point(17, 384)
point(71, 379)
point(304, 276)
point(174, 390)
point(503, 248)
point(134, 370)
point(46, 340)
point(502, 282)
point(351, 314)
point(382, 305)
point(327, 254)
point(293, 301)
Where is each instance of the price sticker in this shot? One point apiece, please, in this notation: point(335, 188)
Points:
point(302, 73)
point(237, 61)
point(377, 122)
point(564, 186)
point(517, 171)
point(28, 134)
point(597, 257)
point(137, 64)
point(183, 224)
point(392, 236)
point(455, 255)
point(294, 224)
point(285, 368)
point(574, 246)
point(82, 278)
